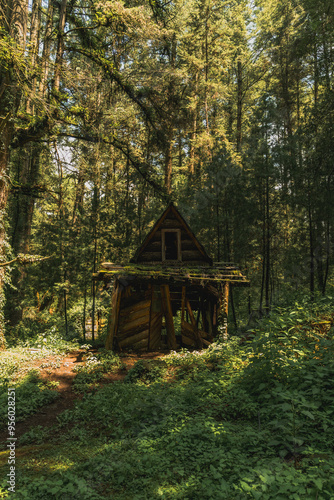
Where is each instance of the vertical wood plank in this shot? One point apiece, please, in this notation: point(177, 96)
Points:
point(113, 316)
point(194, 325)
point(155, 334)
point(225, 308)
point(226, 297)
point(163, 246)
point(179, 249)
point(168, 313)
point(183, 302)
point(198, 316)
point(214, 319)
point(150, 320)
point(191, 314)
point(155, 321)
point(209, 319)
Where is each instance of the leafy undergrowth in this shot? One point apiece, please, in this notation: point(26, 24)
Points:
point(92, 373)
point(17, 371)
point(236, 421)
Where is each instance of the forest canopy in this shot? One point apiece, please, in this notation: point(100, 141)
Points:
point(109, 110)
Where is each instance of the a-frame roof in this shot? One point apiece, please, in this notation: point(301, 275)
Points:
point(171, 211)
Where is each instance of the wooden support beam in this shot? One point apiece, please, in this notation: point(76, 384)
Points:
point(214, 317)
point(225, 308)
point(194, 325)
point(187, 340)
point(209, 320)
point(113, 316)
point(190, 312)
point(168, 313)
point(188, 329)
point(155, 322)
point(155, 331)
point(198, 316)
point(206, 320)
point(183, 300)
point(189, 337)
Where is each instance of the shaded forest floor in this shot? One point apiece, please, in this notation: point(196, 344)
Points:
point(235, 421)
point(58, 370)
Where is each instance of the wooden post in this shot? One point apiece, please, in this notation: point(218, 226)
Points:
point(183, 302)
point(150, 320)
point(168, 313)
point(198, 339)
point(225, 308)
point(214, 316)
point(198, 316)
point(113, 316)
point(84, 312)
point(155, 321)
point(209, 320)
point(93, 310)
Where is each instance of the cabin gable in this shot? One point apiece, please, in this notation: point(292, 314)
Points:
point(171, 242)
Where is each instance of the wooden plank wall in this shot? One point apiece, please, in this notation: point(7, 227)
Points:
point(155, 319)
point(136, 319)
point(113, 317)
point(155, 331)
point(153, 251)
point(167, 310)
point(133, 326)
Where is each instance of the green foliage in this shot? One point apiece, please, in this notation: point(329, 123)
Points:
point(228, 108)
point(35, 435)
point(30, 394)
point(147, 372)
point(49, 341)
point(14, 362)
point(65, 485)
point(250, 420)
point(97, 365)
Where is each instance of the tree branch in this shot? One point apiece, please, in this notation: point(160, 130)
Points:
point(24, 259)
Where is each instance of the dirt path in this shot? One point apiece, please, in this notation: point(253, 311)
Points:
point(64, 375)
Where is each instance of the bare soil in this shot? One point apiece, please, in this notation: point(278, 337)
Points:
point(64, 375)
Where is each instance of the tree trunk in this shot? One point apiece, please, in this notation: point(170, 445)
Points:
point(169, 162)
point(310, 224)
point(60, 45)
point(239, 105)
point(267, 235)
point(79, 194)
point(33, 48)
point(194, 131)
point(328, 246)
point(22, 223)
point(45, 62)
point(14, 22)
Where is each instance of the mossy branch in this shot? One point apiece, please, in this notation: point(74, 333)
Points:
point(24, 259)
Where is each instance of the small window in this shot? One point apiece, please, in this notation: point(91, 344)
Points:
point(171, 244)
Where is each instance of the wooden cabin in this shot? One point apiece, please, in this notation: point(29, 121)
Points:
point(170, 294)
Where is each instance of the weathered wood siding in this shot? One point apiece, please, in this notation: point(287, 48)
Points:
point(189, 251)
point(133, 325)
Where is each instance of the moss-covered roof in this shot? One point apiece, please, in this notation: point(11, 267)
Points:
point(219, 272)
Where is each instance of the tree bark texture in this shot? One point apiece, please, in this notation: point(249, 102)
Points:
point(14, 22)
